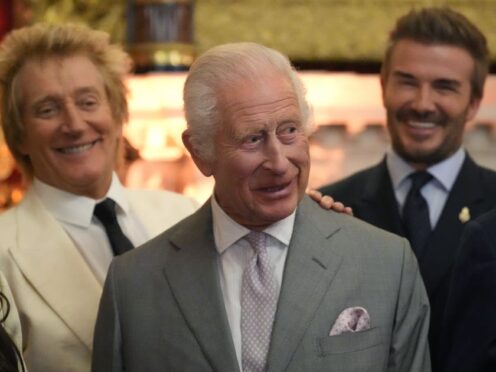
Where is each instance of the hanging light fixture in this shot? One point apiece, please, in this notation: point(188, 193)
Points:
point(160, 34)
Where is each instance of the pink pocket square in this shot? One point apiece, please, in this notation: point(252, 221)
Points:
point(352, 319)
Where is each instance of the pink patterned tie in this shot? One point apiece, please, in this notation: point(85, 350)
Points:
point(258, 305)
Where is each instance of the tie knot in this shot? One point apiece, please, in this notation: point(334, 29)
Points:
point(105, 212)
point(256, 240)
point(419, 179)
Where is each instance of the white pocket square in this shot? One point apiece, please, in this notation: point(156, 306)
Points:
point(352, 319)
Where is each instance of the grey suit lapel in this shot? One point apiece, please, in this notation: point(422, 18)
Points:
point(310, 268)
point(193, 277)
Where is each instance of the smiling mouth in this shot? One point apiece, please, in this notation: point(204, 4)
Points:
point(421, 125)
point(77, 149)
point(274, 189)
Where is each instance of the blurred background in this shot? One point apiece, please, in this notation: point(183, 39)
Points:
point(337, 46)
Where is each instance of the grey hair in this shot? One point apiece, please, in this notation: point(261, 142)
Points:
point(224, 66)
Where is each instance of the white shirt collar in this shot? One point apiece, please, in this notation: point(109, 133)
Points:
point(227, 231)
point(445, 172)
point(77, 209)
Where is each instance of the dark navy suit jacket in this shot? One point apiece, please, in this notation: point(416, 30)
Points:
point(469, 334)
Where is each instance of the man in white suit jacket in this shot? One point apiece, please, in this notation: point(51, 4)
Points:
point(63, 107)
point(348, 296)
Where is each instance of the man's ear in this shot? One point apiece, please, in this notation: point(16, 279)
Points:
point(473, 108)
point(203, 165)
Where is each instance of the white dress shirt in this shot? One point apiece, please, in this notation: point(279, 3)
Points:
point(75, 214)
point(234, 255)
point(436, 191)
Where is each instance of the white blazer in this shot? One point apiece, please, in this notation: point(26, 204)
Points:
point(56, 293)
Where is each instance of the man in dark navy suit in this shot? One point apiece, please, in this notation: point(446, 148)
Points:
point(427, 187)
point(469, 335)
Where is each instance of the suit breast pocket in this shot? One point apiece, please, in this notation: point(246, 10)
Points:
point(349, 342)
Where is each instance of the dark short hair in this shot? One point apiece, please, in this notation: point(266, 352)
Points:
point(434, 26)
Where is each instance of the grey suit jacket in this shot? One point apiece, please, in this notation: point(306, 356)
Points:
point(55, 291)
point(162, 307)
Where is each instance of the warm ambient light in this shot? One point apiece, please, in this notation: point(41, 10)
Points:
point(157, 121)
point(350, 101)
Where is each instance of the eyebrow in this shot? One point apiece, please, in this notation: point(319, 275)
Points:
point(45, 99)
point(448, 82)
point(403, 75)
point(444, 81)
point(56, 97)
point(89, 89)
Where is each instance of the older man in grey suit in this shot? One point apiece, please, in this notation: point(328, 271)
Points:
point(260, 278)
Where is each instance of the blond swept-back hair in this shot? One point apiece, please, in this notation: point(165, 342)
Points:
point(223, 67)
point(442, 26)
point(44, 41)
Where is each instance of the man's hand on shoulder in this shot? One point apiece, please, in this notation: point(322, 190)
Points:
point(327, 202)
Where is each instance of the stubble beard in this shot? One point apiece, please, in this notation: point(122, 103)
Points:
point(424, 158)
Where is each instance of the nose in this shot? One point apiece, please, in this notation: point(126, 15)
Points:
point(424, 100)
point(73, 120)
point(276, 157)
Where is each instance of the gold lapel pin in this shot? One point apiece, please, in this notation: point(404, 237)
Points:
point(464, 215)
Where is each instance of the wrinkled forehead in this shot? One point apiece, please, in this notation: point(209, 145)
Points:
point(267, 99)
point(254, 90)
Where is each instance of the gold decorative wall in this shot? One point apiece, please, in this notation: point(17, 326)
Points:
point(351, 133)
point(308, 30)
point(108, 15)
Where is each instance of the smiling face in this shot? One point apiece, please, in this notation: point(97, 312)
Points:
point(261, 161)
point(427, 96)
point(70, 135)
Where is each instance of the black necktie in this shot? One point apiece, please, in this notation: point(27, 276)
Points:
point(105, 212)
point(416, 213)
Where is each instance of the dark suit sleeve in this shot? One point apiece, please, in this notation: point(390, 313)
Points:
point(107, 339)
point(346, 191)
point(409, 346)
point(468, 339)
